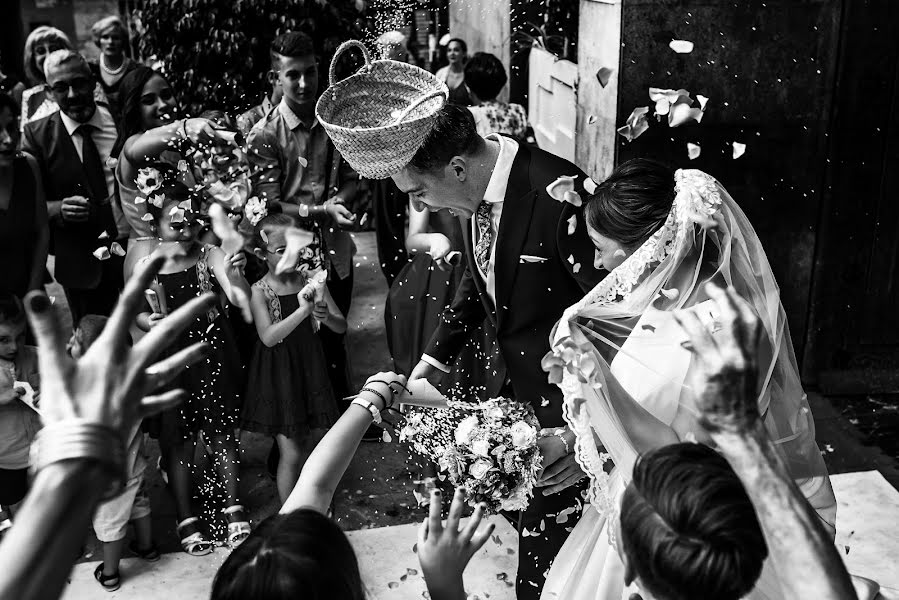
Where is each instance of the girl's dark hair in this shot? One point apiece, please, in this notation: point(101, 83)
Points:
point(7, 101)
point(302, 554)
point(131, 88)
point(633, 203)
point(275, 218)
point(688, 528)
point(12, 312)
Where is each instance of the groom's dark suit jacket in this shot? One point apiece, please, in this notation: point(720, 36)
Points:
point(63, 175)
point(531, 293)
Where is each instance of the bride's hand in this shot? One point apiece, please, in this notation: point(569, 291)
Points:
point(728, 374)
point(560, 467)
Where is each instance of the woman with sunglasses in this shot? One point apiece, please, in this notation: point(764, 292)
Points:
point(150, 132)
point(213, 386)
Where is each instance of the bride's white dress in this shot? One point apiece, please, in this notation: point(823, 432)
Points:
point(627, 318)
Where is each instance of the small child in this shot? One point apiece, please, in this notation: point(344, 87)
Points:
point(213, 386)
point(289, 394)
point(132, 504)
point(19, 423)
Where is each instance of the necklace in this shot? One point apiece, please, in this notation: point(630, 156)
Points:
point(109, 71)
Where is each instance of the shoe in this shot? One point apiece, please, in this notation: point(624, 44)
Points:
point(110, 583)
point(150, 554)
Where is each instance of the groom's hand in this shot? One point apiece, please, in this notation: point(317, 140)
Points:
point(425, 370)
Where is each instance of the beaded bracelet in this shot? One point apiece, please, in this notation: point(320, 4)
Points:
point(379, 395)
point(80, 439)
point(559, 433)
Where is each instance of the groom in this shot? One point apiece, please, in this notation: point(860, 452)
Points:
point(528, 259)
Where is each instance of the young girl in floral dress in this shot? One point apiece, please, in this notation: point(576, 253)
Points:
point(213, 403)
point(289, 394)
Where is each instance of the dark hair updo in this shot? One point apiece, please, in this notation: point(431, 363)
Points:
point(633, 203)
point(302, 554)
point(688, 528)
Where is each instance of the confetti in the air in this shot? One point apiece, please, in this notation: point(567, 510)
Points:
point(636, 124)
point(681, 46)
point(693, 150)
point(603, 75)
point(101, 253)
point(739, 149)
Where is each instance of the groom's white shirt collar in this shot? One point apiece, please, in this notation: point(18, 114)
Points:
point(499, 179)
point(495, 195)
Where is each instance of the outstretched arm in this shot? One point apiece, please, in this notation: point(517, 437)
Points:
point(92, 401)
point(331, 457)
point(800, 548)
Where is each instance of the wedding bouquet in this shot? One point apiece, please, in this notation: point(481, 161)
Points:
point(492, 452)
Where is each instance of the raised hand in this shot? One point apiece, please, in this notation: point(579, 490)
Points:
point(110, 384)
point(339, 213)
point(728, 375)
point(444, 551)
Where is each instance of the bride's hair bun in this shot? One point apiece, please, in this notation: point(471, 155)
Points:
point(633, 202)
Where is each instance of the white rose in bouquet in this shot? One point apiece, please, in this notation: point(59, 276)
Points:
point(480, 469)
point(518, 500)
point(465, 429)
point(523, 435)
point(481, 447)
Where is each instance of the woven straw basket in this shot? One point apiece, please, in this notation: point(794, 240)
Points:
point(379, 117)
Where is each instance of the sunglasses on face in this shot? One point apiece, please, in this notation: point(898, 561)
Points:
point(81, 85)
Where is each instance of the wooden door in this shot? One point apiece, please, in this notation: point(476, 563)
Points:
point(552, 102)
point(853, 335)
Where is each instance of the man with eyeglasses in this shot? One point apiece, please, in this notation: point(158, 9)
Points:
point(72, 150)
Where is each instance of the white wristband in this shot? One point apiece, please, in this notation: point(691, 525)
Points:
point(370, 407)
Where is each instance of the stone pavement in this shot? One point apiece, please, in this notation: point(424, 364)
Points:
point(867, 535)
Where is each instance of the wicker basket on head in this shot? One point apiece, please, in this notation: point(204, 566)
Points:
point(379, 117)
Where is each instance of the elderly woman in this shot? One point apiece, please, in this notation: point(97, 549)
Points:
point(111, 37)
point(37, 101)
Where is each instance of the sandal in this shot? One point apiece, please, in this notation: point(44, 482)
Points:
point(150, 554)
point(194, 543)
point(238, 530)
point(428, 484)
point(110, 583)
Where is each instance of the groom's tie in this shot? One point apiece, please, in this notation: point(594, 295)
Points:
point(485, 235)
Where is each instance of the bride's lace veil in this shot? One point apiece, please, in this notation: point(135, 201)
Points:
point(622, 330)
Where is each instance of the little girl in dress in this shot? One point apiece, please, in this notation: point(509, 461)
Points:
point(289, 394)
point(213, 403)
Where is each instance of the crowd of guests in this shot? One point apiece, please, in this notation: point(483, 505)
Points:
point(99, 168)
point(95, 159)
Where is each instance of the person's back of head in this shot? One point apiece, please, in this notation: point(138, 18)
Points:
point(302, 554)
point(86, 333)
point(485, 76)
point(688, 528)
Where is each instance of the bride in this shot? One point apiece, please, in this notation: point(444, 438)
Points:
point(625, 370)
